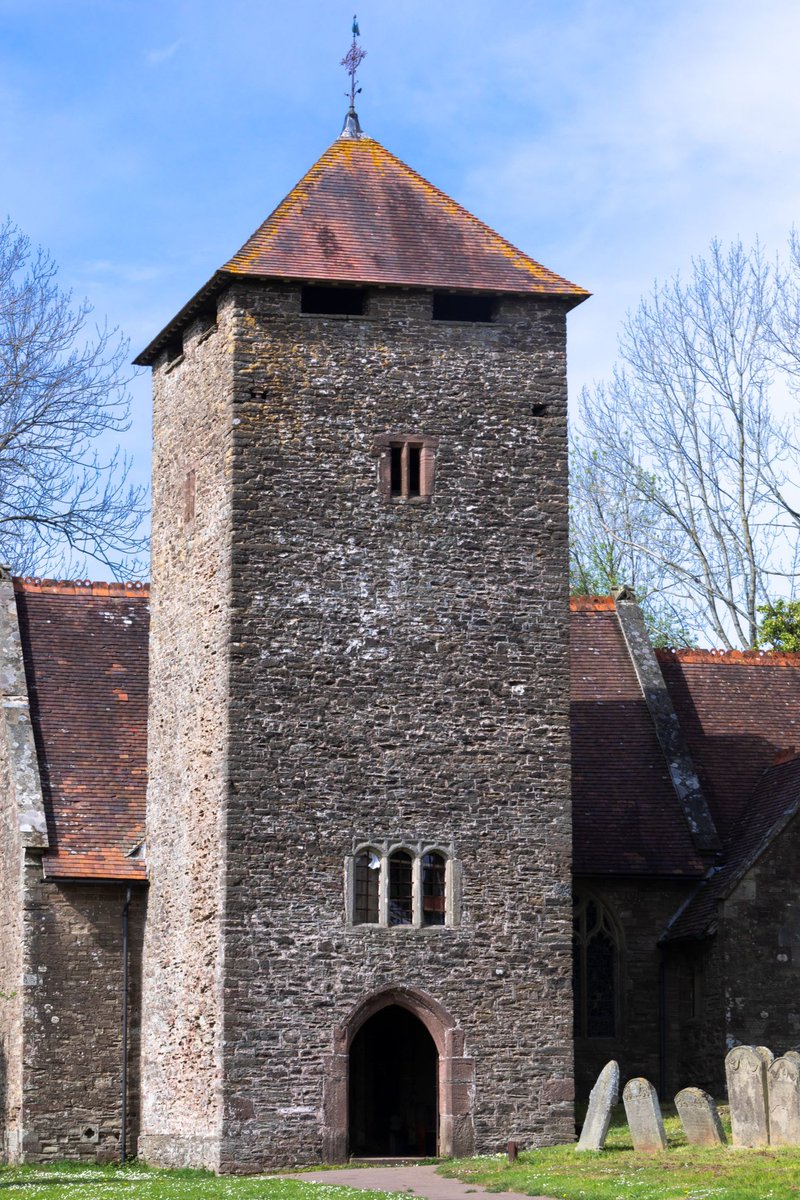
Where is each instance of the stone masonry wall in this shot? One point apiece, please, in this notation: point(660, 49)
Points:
point(11, 965)
point(641, 909)
point(399, 670)
point(73, 997)
point(759, 936)
point(187, 747)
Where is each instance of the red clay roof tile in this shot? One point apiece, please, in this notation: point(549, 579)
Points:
point(360, 215)
point(85, 651)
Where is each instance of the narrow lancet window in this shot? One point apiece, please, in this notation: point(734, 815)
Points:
point(367, 888)
point(401, 901)
point(433, 889)
point(595, 970)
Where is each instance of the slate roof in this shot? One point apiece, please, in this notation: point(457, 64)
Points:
point(738, 711)
point(774, 802)
point(626, 816)
point(362, 216)
point(85, 652)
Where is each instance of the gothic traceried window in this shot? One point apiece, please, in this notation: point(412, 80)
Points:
point(596, 955)
point(410, 884)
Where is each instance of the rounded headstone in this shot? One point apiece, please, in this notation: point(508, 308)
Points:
point(644, 1116)
point(746, 1073)
point(604, 1095)
point(699, 1118)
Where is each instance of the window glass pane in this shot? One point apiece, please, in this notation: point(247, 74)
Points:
point(367, 888)
point(600, 969)
point(433, 889)
point(400, 901)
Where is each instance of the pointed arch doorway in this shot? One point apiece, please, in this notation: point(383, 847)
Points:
point(353, 1073)
point(393, 1092)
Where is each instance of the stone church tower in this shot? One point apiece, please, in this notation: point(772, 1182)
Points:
point(359, 921)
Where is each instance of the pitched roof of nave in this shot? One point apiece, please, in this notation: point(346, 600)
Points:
point(737, 712)
point(85, 652)
point(360, 215)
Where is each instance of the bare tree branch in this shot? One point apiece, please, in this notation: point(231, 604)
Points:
point(62, 387)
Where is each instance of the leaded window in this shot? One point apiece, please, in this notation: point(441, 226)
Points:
point(411, 884)
point(367, 891)
point(401, 899)
point(433, 889)
point(595, 975)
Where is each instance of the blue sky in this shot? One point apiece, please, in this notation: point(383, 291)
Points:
point(143, 141)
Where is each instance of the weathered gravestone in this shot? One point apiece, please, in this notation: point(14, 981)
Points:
point(746, 1072)
point(604, 1095)
point(783, 1084)
point(766, 1054)
point(699, 1118)
point(644, 1116)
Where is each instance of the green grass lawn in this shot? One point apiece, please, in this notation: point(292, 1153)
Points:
point(69, 1181)
point(617, 1173)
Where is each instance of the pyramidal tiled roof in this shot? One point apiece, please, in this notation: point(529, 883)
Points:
point(361, 215)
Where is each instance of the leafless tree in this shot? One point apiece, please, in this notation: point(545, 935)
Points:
point(685, 432)
point(608, 522)
point(62, 387)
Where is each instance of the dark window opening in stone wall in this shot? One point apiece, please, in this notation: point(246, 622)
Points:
point(367, 888)
point(334, 301)
point(450, 306)
point(407, 466)
point(433, 889)
point(595, 970)
point(401, 902)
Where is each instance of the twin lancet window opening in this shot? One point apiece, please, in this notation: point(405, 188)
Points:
point(401, 888)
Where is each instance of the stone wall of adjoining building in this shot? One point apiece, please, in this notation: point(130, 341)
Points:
point(699, 1041)
point(759, 936)
point(641, 909)
point(73, 1001)
point(399, 673)
point(11, 964)
point(187, 747)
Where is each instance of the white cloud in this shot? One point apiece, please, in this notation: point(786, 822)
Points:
point(156, 57)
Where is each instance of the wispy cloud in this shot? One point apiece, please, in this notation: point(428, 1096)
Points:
point(156, 57)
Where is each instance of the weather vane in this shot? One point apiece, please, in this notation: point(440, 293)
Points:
point(352, 61)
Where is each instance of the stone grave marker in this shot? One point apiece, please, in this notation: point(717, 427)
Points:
point(604, 1095)
point(699, 1118)
point(746, 1072)
point(783, 1085)
point(766, 1054)
point(644, 1116)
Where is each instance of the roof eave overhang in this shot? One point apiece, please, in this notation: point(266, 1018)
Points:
point(569, 298)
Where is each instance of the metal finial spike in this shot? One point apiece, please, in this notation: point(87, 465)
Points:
point(351, 62)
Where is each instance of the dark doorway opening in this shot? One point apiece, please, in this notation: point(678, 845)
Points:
point(393, 1087)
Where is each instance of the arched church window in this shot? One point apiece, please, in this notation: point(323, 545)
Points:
point(595, 976)
point(401, 889)
point(367, 891)
point(433, 889)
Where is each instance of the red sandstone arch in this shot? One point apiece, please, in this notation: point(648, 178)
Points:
point(456, 1072)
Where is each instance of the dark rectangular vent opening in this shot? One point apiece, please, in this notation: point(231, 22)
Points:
point(397, 471)
point(450, 306)
point(414, 453)
point(334, 301)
